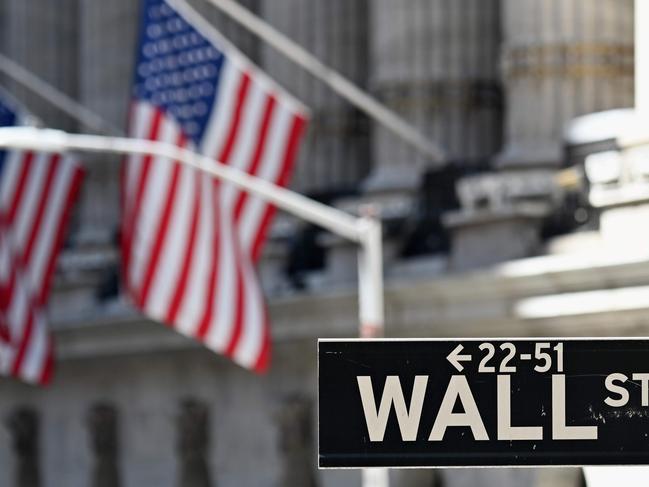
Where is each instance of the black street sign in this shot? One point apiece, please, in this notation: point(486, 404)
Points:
point(502, 402)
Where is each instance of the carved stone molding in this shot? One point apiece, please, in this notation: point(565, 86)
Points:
point(573, 60)
point(498, 190)
point(336, 148)
point(561, 60)
point(466, 94)
point(435, 63)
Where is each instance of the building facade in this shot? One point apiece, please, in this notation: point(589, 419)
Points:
point(491, 244)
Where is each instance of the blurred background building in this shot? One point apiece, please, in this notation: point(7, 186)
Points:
point(501, 241)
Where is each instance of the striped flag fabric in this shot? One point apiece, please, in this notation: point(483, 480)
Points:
point(190, 242)
point(37, 191)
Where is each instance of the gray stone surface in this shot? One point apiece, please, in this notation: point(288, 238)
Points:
point(336, 153)
point(435, 63)
point(43, 37)
point(107, 32)
point(489, 236)
point(145, 369)
point(561, 59)
point(24, 427)
point(103, 429)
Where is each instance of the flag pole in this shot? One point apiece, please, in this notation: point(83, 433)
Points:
point(366, 230)
point(48, 140)
point(330, 77)
point(55, 97)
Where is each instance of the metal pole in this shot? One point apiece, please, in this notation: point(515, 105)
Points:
point(366, 230)
point(61, 101)
point(370, 276)
point(332, 78)
point(371, 306)
point(49, 140)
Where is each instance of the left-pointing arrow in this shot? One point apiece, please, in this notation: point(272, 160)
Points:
point(455, 358)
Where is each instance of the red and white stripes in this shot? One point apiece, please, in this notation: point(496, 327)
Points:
point(190, 243)
point(36, 195)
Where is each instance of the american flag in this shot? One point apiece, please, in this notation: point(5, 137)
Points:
point(37, 191)
point(190, 242)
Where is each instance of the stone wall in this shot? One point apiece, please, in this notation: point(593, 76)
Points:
point(107, 33)
point(247, 412)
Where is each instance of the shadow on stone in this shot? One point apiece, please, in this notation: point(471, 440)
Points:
point(102, 424)
point(192, 444)
point(294, 420)
point(23, 425)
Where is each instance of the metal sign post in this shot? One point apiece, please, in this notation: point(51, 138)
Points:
point(55, 97)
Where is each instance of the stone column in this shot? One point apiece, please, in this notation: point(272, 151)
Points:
point(104, 440)
point(335, 156)
point(192, 444)
point(336, 153)
point(561, 59)
point(44, 38)
point(23, 426)
point(108, 33)
point(435, 63)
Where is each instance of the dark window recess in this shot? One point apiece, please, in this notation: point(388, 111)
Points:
point(102, 422)
point(110, 279)
point(424, 230)
point(24, 429)
point(305, 251)
point(193, 444)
